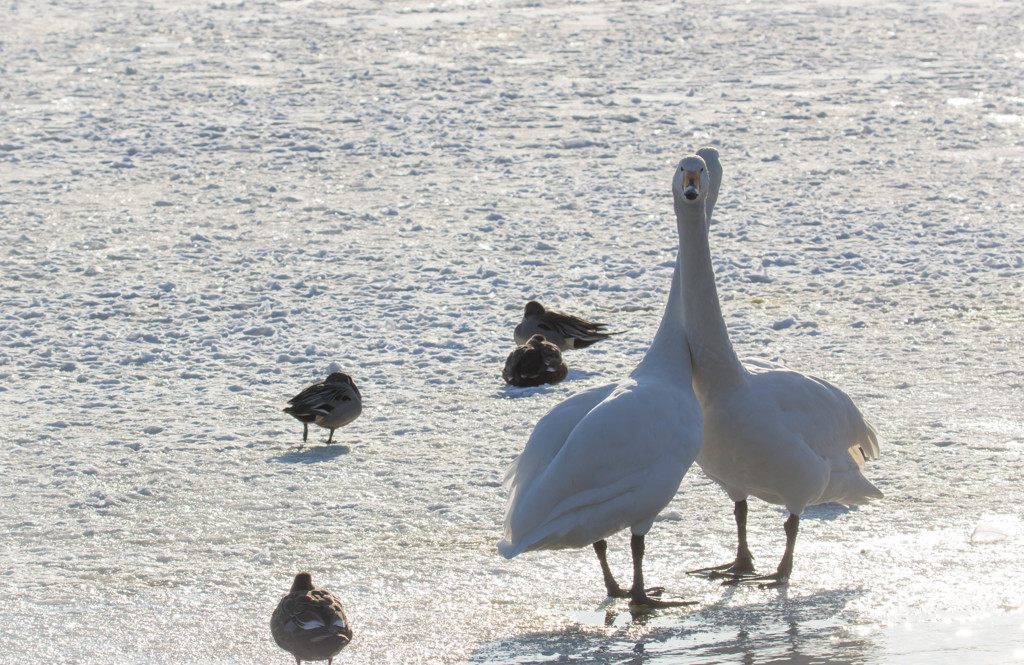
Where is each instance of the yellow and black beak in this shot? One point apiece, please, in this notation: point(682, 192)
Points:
point(691, 184)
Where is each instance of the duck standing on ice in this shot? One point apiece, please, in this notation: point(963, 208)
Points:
point(784, 437)
point(332, 403)
point(309, 622)
point(612, 457)
point(565, 331)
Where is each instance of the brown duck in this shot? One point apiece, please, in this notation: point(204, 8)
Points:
point(332, 403)
point(565, 331)
point(534, 363)
point(309, 623)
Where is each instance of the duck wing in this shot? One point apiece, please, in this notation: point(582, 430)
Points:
point(321, 399)
point(310, 624)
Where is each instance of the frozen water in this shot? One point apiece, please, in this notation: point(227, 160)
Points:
point(207, 205)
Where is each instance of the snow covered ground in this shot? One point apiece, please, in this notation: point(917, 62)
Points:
point(207, 206)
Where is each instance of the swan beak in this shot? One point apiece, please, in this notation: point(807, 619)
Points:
point(691, 185)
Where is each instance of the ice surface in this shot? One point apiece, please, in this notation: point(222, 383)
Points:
point(205, 206)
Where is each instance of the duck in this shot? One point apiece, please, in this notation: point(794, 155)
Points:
point(310, 622)
point(787, 438)
point(565, 331)
point(534, 363)
point(331, 403)
point(612, 457)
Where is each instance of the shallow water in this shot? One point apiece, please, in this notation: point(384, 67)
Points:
point(206, 207)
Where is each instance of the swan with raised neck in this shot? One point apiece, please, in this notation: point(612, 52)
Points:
point(715, 364)
point(769, 432)
point(612, 457)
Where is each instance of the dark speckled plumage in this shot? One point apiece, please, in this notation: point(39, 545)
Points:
point(535, 363)
point(563, 330)
point(309, 623)
point(332, 403)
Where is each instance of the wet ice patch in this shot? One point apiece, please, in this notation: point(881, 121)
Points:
point(994, 529)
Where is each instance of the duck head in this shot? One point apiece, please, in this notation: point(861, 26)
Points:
point(303, 582)
point(537, 341)
point(533, 308)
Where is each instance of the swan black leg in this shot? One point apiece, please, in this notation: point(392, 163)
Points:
point(744, 562)
point(330, 437)
point(610, 585)
point(781, 575)
point(638, 595)
point(613, 588)
point(305, 431)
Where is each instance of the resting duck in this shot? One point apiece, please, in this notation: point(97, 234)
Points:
point(563, 330)
point(332, 403)
point(534, 363)
point(309, 623)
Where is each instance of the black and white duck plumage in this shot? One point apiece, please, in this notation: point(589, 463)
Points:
point(534, 363)
point(310, 623)
point(332, 403)
point(565, 331)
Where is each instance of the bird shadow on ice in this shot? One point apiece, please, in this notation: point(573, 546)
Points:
point(822, 512)
point(311, 455)
point(544, 388)
point(577, 374)
point(514, 391)
point(799, 631)
point(825, 512)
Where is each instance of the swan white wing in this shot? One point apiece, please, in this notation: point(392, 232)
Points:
point(821, 414)
point(618, 467)
point(791, 439)
point(550, 434)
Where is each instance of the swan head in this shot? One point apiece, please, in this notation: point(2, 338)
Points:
point(691, 181)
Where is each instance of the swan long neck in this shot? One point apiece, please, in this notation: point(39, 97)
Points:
point(669, 353)
point(716, 366)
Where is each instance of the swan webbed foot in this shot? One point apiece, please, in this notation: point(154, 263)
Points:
point(619, 592)
point(731, 570)
point(640, 602)
point(772, 581)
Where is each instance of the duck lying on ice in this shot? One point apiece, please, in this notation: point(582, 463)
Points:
point(563, 330)
point(534, 363)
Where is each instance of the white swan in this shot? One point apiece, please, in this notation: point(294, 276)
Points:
point(613, 456)
point(769, 432)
